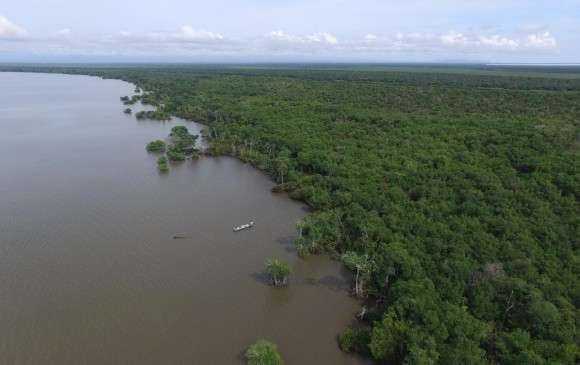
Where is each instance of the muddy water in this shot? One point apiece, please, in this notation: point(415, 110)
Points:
point(89, 272)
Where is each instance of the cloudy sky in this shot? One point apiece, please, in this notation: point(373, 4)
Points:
point(291, 30)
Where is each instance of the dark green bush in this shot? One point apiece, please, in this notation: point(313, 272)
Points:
point(355, 340)
point(156, 146)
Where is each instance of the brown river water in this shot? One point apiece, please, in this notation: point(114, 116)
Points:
point(89, 272)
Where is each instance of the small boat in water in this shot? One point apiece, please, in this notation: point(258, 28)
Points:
point(244, 226)
point(181, 236)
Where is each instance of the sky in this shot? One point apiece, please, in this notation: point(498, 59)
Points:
point(522, 31)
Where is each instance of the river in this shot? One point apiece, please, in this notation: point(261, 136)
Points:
point(89, 271)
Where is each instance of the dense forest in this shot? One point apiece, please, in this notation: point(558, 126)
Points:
point(452, 193)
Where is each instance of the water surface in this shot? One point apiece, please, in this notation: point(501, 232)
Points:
point(89, 271)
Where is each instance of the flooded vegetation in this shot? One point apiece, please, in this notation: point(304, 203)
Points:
point(91, 271)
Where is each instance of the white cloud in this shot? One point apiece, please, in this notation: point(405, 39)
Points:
point(316, 38)
point(541, 40)
point(188, 33)
point(449, 44)
point(280, 36)
point(322, 37)
point(189, 41)
point(497, 41)
point(280, 41)
point(9, 30)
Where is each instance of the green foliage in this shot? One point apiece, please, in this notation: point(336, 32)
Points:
point(175, 154)
point(153, 114)
point(182, 140)
point(454, 193)
point(128, 111)
point(181, 146)
point(179, 131)
point(263, 353)
point(156, 146)
point(278, 271)
point(359, 264)
point(162, 164)
point(389, 339)
point(355, 340)
point(302, 250)
point(130, 101)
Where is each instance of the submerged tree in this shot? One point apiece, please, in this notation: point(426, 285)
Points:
point(182, 139)
point(300, 242)
point(162, 164)
point(156, 146)
point(141, 115)
point(278, 271)
point(263, 353)
point(179, 131)
point(175, 154)
point(153, 114)
point(130, 101)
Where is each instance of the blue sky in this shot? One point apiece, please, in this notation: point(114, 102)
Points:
point(279, 30)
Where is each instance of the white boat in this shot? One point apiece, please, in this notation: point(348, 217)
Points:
point(244, 226)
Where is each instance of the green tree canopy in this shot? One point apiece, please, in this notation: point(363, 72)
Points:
point(263, 353)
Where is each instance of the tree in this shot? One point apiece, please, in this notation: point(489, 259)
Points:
point(515, 348)
point(360, 264)
point(175, 154)
point(283, 164)
point(182, 140)
point(263, 353)
point(141, 115)
point(393, 262)
point(355, 340)
point(300, 243)
point(389, 339)
point(543, 315)
point(162, 164)
point(156, 146)
point(179, 131)
point(278, 271)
